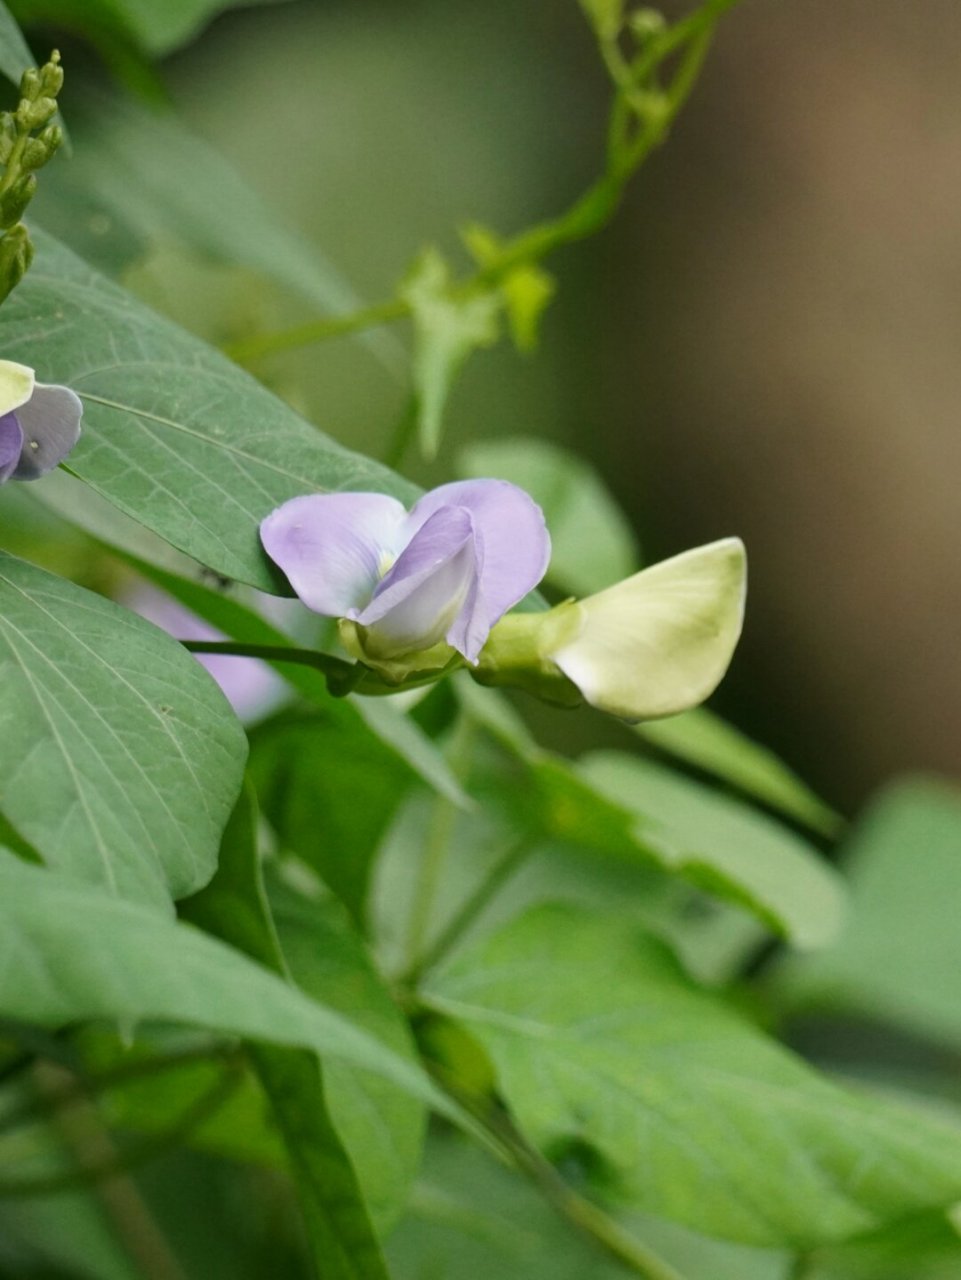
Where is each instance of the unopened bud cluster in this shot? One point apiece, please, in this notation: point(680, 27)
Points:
point(28, 139)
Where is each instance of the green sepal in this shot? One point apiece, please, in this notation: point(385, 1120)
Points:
point(517, 649)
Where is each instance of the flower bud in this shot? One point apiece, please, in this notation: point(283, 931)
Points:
point(38, 151)
point(14, 201)
point(51, 76)
point(16, 254)
point(30, 85)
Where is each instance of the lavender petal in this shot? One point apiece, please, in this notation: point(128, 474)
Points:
point(509, 525)
point(11, 445)
point(420, 600)
point(333, 547)
point(51, 427)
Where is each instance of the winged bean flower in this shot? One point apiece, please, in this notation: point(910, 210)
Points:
point(653, 645)
point(39, 423)
point(413, 589)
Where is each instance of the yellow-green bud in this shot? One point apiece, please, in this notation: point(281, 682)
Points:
point(51, 76)
point(16, 254)
point(15, 200)
point(30, 84)
point(38, 151)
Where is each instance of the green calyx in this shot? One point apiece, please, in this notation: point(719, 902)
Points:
point(517, 653)
point(21, 154)
point(398, 671)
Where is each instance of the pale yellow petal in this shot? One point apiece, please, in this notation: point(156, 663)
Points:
point(659, 642)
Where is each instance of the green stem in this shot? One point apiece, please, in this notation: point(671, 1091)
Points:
point(471, 908)
point(111, 1163)
point(318, 330)
point(82, 1134)
point(79, 1089)
point(581, 1213)
point(443, 817)
point(325, 662)
point(589, 214)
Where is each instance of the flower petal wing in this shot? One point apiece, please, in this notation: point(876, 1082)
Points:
point(51, 427)
point(11, 445)
point(509, 525)
point(421, 598)
point(659, 642)
point(16, 385)
point(332, 546)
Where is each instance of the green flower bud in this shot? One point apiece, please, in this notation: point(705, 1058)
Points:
point(30, 85)
point(51, 76)
point(8, 136)
point(394, 669)
point(15, 200)
point(16, 254)
point(32, 115)
point(38, 151)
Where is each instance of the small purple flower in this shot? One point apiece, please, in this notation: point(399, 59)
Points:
point(39, 423)
point(444, 572)
point(251, 687)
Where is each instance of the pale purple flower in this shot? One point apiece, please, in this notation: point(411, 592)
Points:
point(251, 687)
point(39, 423)
point(445, 571)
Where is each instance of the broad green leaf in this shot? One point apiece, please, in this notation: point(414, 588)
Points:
point(715, 840)
point(899, 958)
point(703, 739)
point(15, 55)
point(472, 1219)
point(329, 788)
point(73, 954)
point(116, 199)
point(121, 757)
point(381, 1125)
point(174, 434)
point(635, 812)
point(922, 1248)
point(592, 543)
point(234, 907)
point(447, 328)
point(599, 1041)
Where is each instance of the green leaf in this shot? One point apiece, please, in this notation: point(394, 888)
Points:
point(601, 1043)
point(174, 434)
point(447, 327)
point(592, 543)
point(15, 55)
point(115, 200)
point(723, 845)
point(900, 956)
point(381, 1126)
point(234, 907)
point(122, 758)
point(701, 738)
point(329, 788)
point(472, 1219)
point(72, 954)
